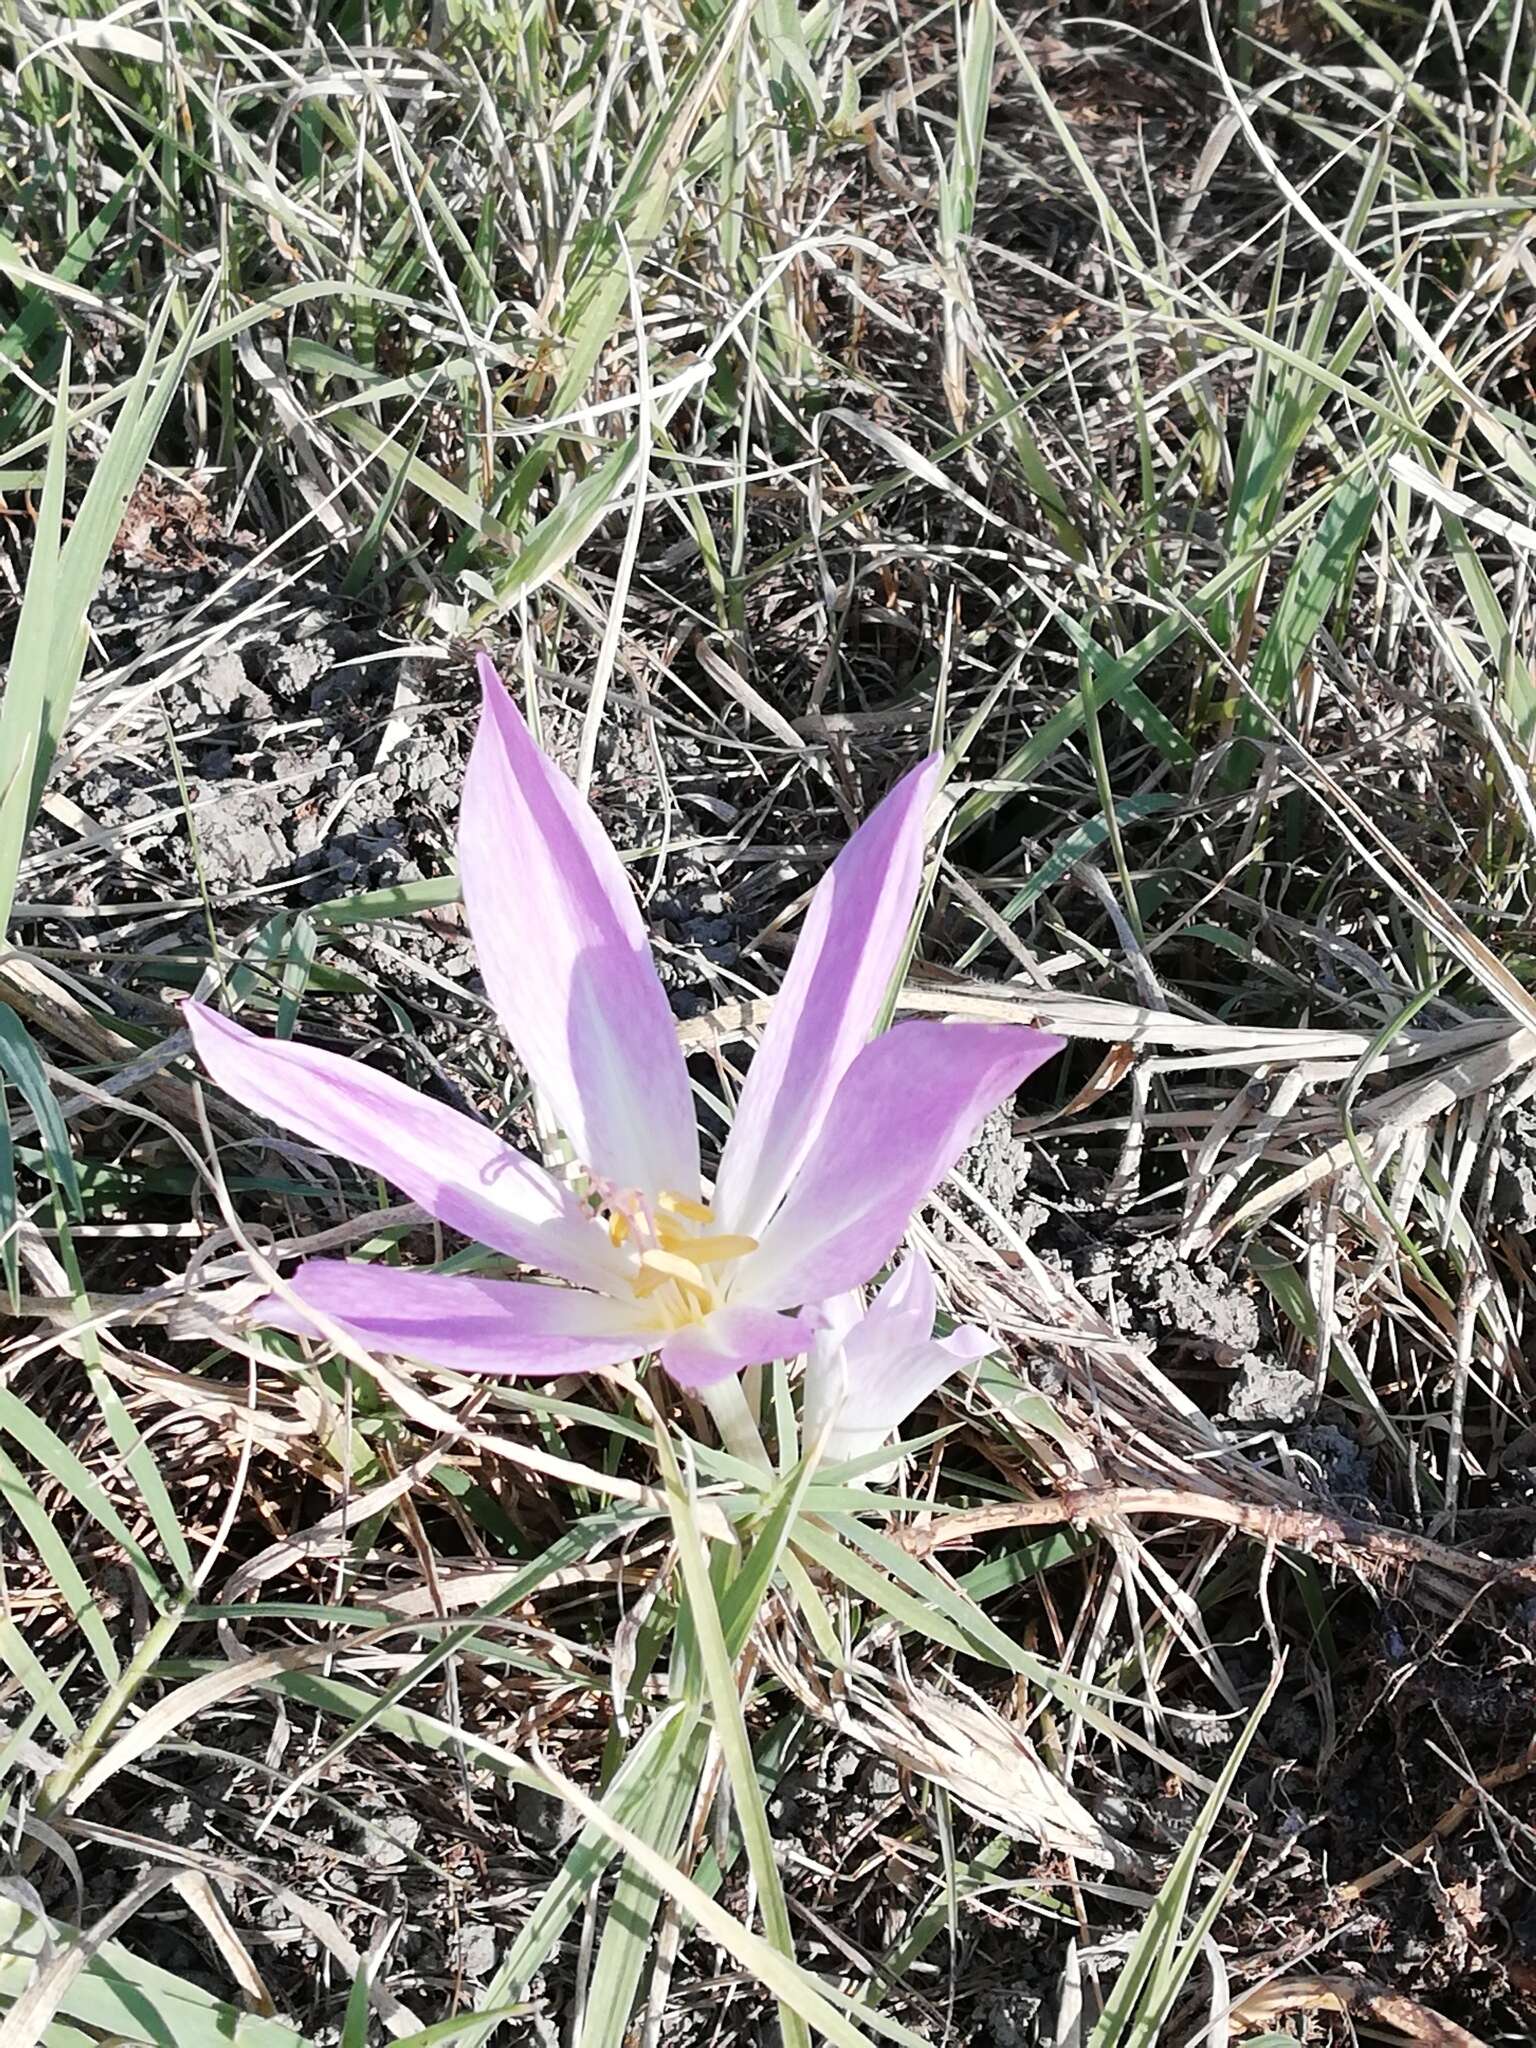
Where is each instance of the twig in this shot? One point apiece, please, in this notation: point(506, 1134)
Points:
point(1362, 1995)
point(1314, 1530)
point(1462, 1807)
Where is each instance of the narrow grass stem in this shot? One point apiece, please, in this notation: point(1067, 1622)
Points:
point(57, 1788)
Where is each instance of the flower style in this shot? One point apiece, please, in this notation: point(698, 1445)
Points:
point(868, 1369)
point(837, 1137)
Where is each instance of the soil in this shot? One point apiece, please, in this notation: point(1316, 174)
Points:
point(320, 761)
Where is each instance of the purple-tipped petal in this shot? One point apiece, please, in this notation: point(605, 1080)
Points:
point(460, 1322)
point(882, 1384)
point(907, 1303)
point(849, 949)
point(865, 1380)
point(907, 1108)
point(564, 955)
point(459, 1171)
point(898, 1319)
point(826, 1366)
point(729, 1341)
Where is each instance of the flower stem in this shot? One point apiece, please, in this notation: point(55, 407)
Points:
point(728, 1410)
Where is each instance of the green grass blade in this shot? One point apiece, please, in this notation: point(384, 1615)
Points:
point(626, 1944)
point(10, 1210)
point(730, 1726)
point(561, 532)
point(19, 1660)
point(50, 644)
point(117, 1993)
point(1147, 1985)
point(1318, 581)
point(23, 1069)
point(54, 1553)
point(29, 676)
point(48, 1450)
point(1072, 847)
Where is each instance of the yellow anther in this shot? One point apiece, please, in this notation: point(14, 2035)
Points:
point(719, 1251)
point(671, 1267)
point(657, 1268)
point(671, 1253)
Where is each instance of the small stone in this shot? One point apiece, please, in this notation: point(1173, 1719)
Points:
point(475, 1951)
point(1269, 1393)
point(543, 1821)
point(388, 1840)
point(222, 685)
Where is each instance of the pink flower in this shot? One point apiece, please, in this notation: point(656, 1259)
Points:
point(836, 1137)
point(867, 1369)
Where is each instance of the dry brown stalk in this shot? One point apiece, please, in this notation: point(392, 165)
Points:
point(1317, 1531)
point(1362, 1996)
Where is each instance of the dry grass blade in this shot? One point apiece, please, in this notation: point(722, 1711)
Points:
point(989, 1765)
point(1389, 1118)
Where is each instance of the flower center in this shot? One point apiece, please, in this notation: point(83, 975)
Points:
point(677, 1255)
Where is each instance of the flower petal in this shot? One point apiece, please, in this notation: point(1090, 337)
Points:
point(882, 1385)
point(850, 947)
point(459, 1171)
point(907, 1108)
point(564, 955)
point(865, 1380)
point(908, 1302)
point(462, 1322)
point(825, 1386)
point(730, 1340)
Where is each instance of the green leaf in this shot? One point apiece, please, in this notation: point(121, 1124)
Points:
point(561, 532)
point(1317, 582)
point(58, 1561)
point(21, 1066)
point(627, 1946)
point(974, 99)
point(120, 1994)
point(719, 1663)
point(48, 653)
point(48, 1450)
point(1071, 848)
point(1156, 1968)
point(19, 1661)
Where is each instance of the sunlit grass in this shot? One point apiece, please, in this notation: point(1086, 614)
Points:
point(792, 386)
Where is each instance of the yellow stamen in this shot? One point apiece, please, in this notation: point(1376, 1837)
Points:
point(673, 1259)
point(657, 1268)
point(719, 1251)
point(671, 1267)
